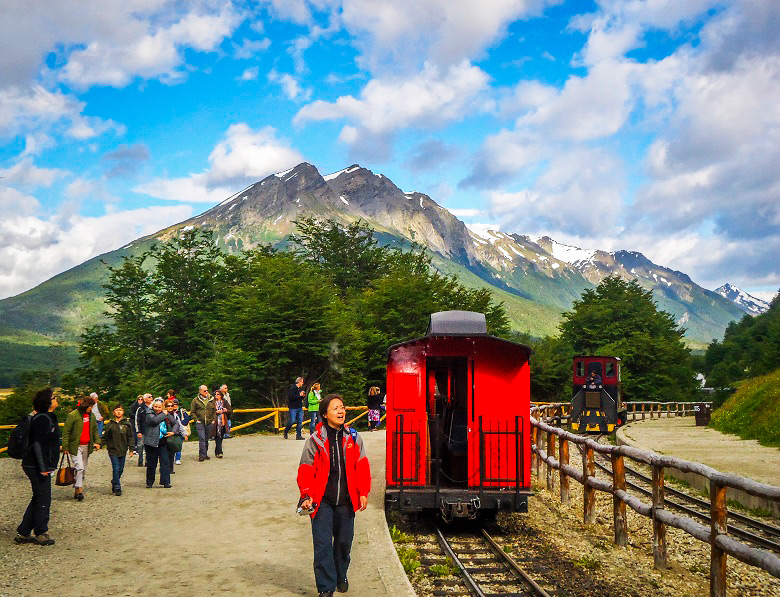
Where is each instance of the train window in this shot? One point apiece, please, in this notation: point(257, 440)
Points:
point(610, 370)
point(580, 368)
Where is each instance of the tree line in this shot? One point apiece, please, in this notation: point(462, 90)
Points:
point(185, 313)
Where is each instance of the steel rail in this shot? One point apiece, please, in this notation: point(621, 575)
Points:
point(471, 584)
point(736, 531)
point(529, 582)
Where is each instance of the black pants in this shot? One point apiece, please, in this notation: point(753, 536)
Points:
point(153, 454)
point(218, 441)
point(332, 530)
point(36, 517)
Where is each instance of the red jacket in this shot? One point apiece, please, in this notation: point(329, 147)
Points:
point(315, 466)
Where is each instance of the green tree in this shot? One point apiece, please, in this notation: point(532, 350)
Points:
point(621, 319)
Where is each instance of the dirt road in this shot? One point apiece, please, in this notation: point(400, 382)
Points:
point(226, 526)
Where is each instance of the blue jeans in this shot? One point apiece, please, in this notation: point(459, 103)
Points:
point(314, 417)
point(100, 428)
point(203, 439)
point(117, 466)
point(332, 530)
point(296, 416)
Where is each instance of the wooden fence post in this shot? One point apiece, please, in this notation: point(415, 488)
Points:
point(718, 526)
point(589, 493)
point(550, 454)
point(538, 456)
point(619, 506)
point(563, 458)
point(659, 528)
point(643, 411)
point(534, 457)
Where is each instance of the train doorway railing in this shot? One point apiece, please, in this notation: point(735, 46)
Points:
point(498, 471)
point(545, 433)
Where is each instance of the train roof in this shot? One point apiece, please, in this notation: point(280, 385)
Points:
point(458, 324)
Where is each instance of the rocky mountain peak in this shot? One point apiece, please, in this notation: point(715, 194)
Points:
point(748, 303)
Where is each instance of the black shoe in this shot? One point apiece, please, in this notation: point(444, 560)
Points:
point(80, 497)
point(149, 486)
point(343, 586)
point(300, 437)
point(207, 458)
point(219, 455)
point(173, 472)
point(118, 492)
point(285, 437)
point(326, 594)
point(201, 459)
point(140, 463)
point(22, 539)
point(168, 486)
point(43, 539)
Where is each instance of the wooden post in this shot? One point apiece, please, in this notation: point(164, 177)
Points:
point(589, 493)
point(619, 506)
point(534, 457)
point(563, 458)
point(538, 457)
point(718, 526)
point(643, 411)
point(550, 454)
point(659, 528)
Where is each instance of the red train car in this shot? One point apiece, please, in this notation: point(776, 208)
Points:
point(458, 429)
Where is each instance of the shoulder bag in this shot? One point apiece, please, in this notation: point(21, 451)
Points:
point(66, 473)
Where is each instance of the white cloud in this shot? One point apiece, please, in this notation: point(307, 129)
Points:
point(466, 212)
point(250, 47)
point(431, 98)
point(33, 249)
point(243, 156)
point(249, 74)
point(143, 48)
point(290, 85)
point(26, 174)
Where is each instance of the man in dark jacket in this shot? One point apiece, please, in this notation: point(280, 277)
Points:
point(139, 418)
point(295, 403)
point(118, 438)
point(38, 463)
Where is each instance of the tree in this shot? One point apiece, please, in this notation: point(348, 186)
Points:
point(621, 319)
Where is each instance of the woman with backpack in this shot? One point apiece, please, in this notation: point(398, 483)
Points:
point(38, 463)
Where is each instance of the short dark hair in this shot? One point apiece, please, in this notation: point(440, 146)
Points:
point(326, 402)
point(42, 400)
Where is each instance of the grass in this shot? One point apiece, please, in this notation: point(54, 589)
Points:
point(398, 536)
point(445, 569)
point(410, 559)
point(588, 563)
point(753, 411)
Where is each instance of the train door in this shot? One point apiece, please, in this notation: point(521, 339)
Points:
point(447, 405)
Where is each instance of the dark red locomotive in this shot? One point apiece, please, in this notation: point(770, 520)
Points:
point(458, 404)
point(597, 404)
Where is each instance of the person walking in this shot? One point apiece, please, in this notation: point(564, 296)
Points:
point(100, 410)
point(226, 395)
point(222, 411)
point(313, 404)
point(184, 420)
point(118, 438)
point(141, 413)
point(152, 436)
point(295, 405)
point(202, 410)
point(374, 404)
point(79, 439)
point(334, 479)
point(171, 438)
point(131, 417)
point(38, 463)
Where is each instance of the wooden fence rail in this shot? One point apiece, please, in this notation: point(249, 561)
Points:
point(543, 438)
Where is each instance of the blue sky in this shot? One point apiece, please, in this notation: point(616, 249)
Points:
point(649, 125)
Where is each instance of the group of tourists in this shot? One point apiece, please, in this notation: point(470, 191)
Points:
point(155, 431)
point(334, 477)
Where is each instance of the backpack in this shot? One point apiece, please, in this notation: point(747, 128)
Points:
point(19, 442)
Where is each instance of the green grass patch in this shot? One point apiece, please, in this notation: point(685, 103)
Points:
point(410, 559)
point(398, 536)
point(445, 569)
point(588, 563)
point(753, 411)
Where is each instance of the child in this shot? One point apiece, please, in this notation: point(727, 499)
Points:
point(118, 438)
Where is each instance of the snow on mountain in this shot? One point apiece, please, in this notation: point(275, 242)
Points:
point(748, 303)
point(567, 253)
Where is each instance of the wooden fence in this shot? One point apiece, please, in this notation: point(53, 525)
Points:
point(545, 435)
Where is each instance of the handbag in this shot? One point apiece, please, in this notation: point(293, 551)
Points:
point(175, 443)
point(66, 475)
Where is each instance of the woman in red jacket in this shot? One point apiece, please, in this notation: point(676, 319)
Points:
point(334, 479)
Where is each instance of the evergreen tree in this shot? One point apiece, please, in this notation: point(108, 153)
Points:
point(621, 319)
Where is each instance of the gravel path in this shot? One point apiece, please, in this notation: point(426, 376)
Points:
point(226, 526)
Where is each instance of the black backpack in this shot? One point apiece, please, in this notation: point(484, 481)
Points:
point(19, 441)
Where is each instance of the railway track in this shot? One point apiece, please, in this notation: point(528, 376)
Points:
point(750, 529)
point(485, 569)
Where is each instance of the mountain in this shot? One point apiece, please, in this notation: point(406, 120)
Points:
point(748, 303)
point(536, 279)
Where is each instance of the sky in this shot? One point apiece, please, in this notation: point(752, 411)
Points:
point(644, 125)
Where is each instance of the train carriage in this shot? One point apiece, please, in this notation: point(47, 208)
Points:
point(458, 429)
point(597, 404)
